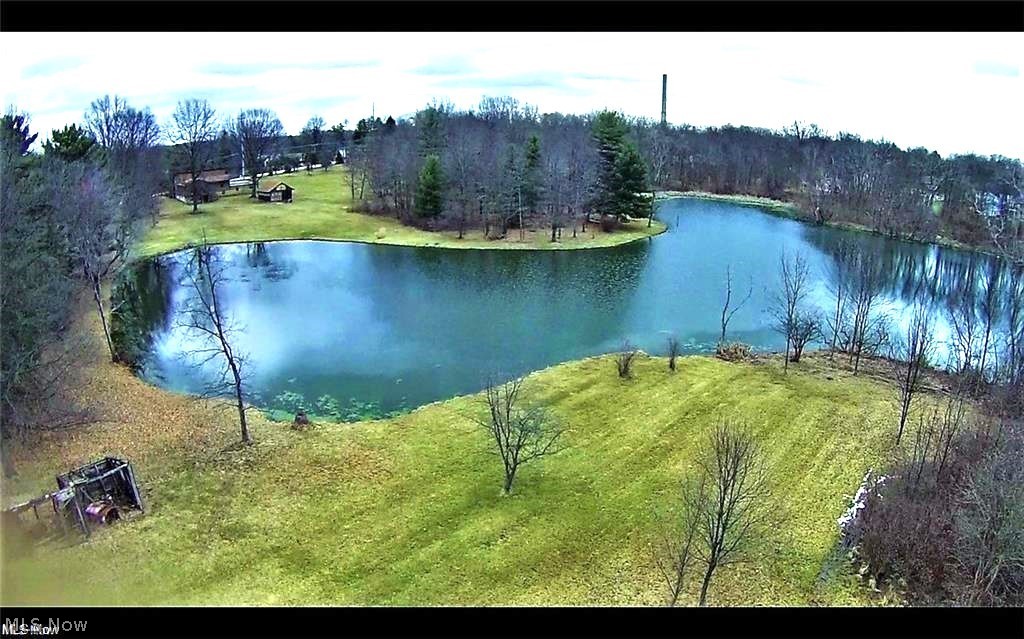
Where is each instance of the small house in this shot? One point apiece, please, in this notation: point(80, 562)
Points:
point(209, 185)
point(274, 191)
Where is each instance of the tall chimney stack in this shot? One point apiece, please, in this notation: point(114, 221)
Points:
point(664, 96)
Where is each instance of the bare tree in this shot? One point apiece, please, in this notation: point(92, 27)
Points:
point(727, 311)
point(865, 325)
point(787, 304)
point(194, 127)
point(127, 138)
point(96, 226)
point(962, 314)
point(624, 360)
point(909, 356)
point(838, 285)
point(256, 130)
point(806, 328)
point(205, 317)
point(676, 553)
point(735, 505)
point(673, 352)
point(521, 432)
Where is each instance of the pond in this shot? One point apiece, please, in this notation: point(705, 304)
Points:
point(355, 330)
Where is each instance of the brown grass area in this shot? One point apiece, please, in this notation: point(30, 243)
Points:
point(134, 420)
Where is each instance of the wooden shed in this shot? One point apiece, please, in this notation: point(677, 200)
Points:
point(209, 185)
point(274, 191)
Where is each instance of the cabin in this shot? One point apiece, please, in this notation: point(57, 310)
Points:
point(274, 191)
point(209, 185)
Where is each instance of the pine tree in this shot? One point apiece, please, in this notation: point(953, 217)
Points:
point(70, 143)
point(609, 131)
point(429, 188)
point(630, 184)
point(428, 122)
point(531, 174)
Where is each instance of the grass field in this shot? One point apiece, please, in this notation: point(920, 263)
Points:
point(410, 511)
point(322, 210)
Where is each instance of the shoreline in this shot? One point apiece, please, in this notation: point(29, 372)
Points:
point(790, 210)
point(444, 243)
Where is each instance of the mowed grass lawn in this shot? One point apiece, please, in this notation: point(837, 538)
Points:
point(322, 210)
point(409, 510)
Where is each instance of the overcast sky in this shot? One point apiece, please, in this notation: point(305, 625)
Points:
point(949, 92)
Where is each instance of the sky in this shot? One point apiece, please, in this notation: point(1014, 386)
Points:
point(948, 92)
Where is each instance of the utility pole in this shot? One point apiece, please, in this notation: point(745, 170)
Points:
point(664, 97)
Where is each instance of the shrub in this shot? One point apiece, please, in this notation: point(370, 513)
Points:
point(624, 360)
point(673, 352)
point(949, 516)
point(734, 352)
point(609, 223)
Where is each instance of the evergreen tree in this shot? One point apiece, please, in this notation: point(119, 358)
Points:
point(531, 174)
point(609, 132)
point(70, 143)
point(429, 125)
point(429, 188)
point(630, 184)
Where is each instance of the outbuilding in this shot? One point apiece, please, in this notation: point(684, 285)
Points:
point(209, 185)
point(274, 191)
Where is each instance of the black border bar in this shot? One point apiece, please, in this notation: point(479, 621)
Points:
point(508, 15)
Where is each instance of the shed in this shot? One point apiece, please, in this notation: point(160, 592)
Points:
point(274, 191)
point(209, 184)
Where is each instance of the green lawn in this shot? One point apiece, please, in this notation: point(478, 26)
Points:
point(321, 210)
point(409, 510)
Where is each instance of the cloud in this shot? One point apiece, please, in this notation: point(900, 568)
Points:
point(250, 68)
point(754, 79)
point(990, 67)
point(450, 65)
point(804, 82)
point(50, 67)
point(545, 79)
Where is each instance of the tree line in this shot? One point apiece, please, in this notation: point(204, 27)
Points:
point(503, 160)
point(499, 167)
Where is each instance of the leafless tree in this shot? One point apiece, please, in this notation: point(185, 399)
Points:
point(193, 128)
point(787, 305)
point(910, 355)
point(205, 317)
point(257, 131)
point(673, 352)
point(838, 285)
point(624, 360)
point(676, 553)
point(727, 311)
point(128, 138)
point(734, 505)
point(522, 432)
point(95, 223)
point(989, 311)
point(962, 314)
point(806, 328)
point(865, 324)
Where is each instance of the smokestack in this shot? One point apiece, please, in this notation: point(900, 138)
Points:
point(664, 96)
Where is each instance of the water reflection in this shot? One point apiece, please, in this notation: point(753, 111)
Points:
point(397, 327)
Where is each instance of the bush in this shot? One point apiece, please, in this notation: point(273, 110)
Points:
point(624, 360)
point(734, 352)
point(609, 223)
point(949, 515)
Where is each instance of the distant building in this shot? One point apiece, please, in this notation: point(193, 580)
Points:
point(274, 191)
point(209, 185)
